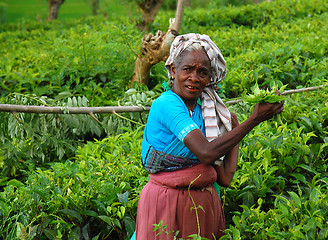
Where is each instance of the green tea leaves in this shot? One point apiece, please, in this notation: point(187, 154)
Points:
point(264, 95)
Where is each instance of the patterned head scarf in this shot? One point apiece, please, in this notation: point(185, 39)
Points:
point(216, 115)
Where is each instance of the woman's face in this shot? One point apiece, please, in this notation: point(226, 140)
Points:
point(191, 75)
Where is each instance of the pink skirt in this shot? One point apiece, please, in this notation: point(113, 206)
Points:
point(166, 198)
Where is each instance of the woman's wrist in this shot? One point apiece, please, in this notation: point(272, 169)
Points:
point(254, 120)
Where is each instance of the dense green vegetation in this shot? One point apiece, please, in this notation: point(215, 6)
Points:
point(15, 10)
point(71, 177)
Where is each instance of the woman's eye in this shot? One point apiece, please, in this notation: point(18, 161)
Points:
point(204, 73)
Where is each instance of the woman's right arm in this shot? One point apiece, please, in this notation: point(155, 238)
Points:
point(207, 152)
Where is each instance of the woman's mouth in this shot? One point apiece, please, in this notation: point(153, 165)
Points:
point(192, 88)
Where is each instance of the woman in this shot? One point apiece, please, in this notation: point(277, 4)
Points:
point(189, 147)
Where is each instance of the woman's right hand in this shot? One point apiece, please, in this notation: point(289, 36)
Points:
point(265, 111)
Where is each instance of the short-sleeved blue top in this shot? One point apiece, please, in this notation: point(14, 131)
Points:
point(168, 123)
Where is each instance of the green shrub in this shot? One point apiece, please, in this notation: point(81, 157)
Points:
point(282, 42)
point(92, 195)
point(93, 58)
point(297, 215)
point(28, 140)
point(277, 161)
point(69, 176)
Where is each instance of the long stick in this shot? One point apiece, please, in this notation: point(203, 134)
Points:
point(69, 110)
point(116, 109)
point(285, 92)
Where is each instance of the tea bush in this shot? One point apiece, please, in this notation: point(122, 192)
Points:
point(37, 139)
point(282, 42)
point(94, 194)
point(94, 58)
point(294, 216)
point(282, 168)
point(71, 177)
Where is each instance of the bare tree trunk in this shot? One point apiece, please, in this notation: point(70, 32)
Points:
point(95, 7)
point(150, 9)
point(155, 49)
point(53, 8)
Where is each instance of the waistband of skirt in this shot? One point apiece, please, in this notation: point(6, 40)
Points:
point(198, 177)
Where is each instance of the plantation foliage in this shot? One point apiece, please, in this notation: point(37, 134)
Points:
point(76, 177)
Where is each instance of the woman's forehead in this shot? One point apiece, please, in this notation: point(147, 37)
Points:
point(195, 57)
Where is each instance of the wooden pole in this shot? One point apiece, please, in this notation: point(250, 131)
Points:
point(110, 109)
point(70, 110)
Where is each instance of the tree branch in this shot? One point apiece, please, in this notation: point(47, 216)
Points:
point(69, 110)
point(110, 109)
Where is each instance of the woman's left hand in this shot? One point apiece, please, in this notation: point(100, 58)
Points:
point(234, 120)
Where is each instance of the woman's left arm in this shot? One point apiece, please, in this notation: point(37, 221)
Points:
point(228, 167)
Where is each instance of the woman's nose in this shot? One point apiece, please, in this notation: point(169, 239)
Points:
point(194, 76)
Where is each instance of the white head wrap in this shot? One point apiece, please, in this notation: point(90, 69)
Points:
point(216, 115)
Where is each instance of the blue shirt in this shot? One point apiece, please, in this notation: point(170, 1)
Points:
point(168, 123)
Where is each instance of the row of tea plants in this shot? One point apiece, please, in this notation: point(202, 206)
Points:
point(283, 42)
point(75, 177)
point(279, 191)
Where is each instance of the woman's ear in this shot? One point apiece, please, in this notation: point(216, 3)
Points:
point(172, 69)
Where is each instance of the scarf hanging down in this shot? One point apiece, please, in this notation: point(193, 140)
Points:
point(217, 118)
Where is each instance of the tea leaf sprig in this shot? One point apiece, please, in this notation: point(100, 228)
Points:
point(264, 95)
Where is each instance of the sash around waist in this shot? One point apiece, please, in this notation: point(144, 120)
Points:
point(205, 175)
